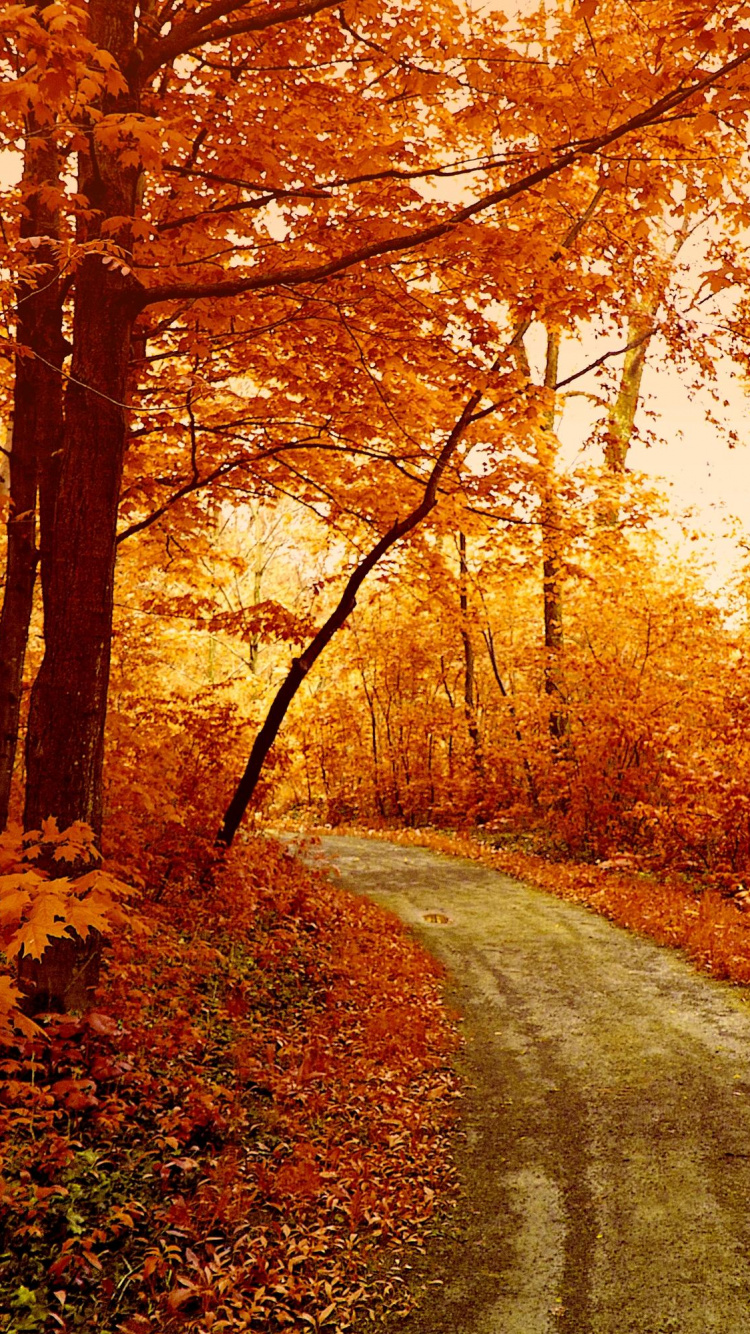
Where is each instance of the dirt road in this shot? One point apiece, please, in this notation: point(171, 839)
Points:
point(606, 1159)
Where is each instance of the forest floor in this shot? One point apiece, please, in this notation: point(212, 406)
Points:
point(604, 1159)
point(249, 1132)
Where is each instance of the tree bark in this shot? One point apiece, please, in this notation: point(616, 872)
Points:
point(622, 416)
point(65, 742)
point(36, 441)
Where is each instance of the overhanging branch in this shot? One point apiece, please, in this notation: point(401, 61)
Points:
point(297, 275)
point(347, 602)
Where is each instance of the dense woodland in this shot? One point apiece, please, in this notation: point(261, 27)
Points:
point(296, 298)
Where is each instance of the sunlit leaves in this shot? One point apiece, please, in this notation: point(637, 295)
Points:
point(36, 909)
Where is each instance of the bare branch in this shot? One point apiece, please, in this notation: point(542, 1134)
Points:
point(347, 602)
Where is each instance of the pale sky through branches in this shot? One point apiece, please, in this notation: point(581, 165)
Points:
point(699, 468)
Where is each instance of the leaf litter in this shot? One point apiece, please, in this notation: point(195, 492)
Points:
point(251, 1130)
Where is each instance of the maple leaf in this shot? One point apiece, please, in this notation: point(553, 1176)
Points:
point(104, 884)
point(114, 82)
point(46, 921)
point(13, 904)
point(11, 1017)
point(86, 914)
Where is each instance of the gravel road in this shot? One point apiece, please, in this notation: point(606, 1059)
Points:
point(606, 1147)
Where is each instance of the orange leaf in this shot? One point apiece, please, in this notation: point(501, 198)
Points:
point(10, 1015)
point(47, 919)
point(12, 905)
point(103, 883)
point(83, 914)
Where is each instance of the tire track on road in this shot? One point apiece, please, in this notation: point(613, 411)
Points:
point(605, 1157)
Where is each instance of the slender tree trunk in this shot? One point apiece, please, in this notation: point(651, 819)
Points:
point(622, 415)
point(551, 529)
point(550, 514)
point(551, 525)
point(641, 327)
point(553, 617)
point(301, 666)
point(470, 688)
point(374, 743)
point(528, 773)
point(395, 790)
point(451, 702)
point(36, 442)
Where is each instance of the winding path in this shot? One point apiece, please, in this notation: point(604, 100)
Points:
point(606, 1158)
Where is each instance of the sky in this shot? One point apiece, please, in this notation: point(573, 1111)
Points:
point(698, 469)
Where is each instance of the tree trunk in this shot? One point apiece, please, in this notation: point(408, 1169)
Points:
point(528, 772)
point(641, 329)
point(35, 446)
point(347, 602)
point(549, 507)
point(374, 743)
point(66, 976)
point(551, 530)
point(470, 691)
point(65, 742)
point(68, 705)
point(550, 516)
point(622, 415)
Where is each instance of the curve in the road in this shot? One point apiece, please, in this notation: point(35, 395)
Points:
point(606, 1161)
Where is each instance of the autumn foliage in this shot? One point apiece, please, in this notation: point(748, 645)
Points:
point(653, 677)
point(298, 304)
point(242, 1129)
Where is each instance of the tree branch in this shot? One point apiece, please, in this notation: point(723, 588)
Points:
point(347, 602)
point(201, 29)
point(317, 272)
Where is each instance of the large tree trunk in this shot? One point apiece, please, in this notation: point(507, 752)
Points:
point(69, 700)
point(36, 441)
point(65, 742)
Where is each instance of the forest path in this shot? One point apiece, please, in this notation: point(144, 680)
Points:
point(606, 1155)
